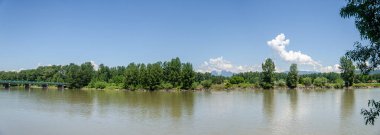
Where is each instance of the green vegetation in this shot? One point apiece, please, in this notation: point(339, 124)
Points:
point(372, 113)
point(367, 57)
point(347, 71)
point(267, 80)
point(292, 78)
point(366, 14)
point(206, 84)
point(165, 75)
point(320, 81)
point(307, 81)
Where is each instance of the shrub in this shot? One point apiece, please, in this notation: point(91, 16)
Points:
point(206, 84)
point(166, 86)
point(320, 81)
point(194, 86)
point(281, 83)
point(100, 85)
point(227, 85)
point(307, 81)
point(236, 80)
point(246, 85)
point(339, 83)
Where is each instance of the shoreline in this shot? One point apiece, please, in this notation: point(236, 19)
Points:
point(217, 88)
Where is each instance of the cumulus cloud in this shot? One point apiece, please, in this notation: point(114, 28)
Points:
point(279, 44)
point(94, 65)
point(219, 64)
point(334, 68)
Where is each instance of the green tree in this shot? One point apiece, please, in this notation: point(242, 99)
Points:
point(307, 81)
point(372, 113)
point(187, 75)
point(267, 79)
point(320, 81)
point(131, 76)
point(86, 73)
point(72, 78)
point(367, 20)
point(155, 73)
point(206, 84)
point(236, 79)
point(78, 76)
point(292, 78)
point(103, 73)
point(347, 71)
point(172, 70)
point(143, 76)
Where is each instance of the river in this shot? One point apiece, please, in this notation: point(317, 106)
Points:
point(240, 112)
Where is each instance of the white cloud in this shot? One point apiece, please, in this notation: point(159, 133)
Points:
point(334, 68)
point(279, 45)
point(219, 64)
point(94, 65)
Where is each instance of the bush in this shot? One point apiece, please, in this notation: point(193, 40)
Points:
point(166, 86)
point(361, 85)
point(307, 81)
point(246, 85)
point(281, 83)
point(100, 85)
point(236, 80)
point(194, 86)
point(206, 84)
point(320, 81)
point(113, 86)
point(227, 85)
point(339, 83)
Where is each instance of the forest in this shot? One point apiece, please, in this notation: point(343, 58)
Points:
point(174, 74)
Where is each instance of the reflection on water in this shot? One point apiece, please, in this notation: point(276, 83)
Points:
point(293, 99)
point(289, 112)
point(268, 103)
point(347, 103)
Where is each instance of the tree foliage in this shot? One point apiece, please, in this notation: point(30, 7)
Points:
point(292, 78)
point(347, 69)
point(320, 81)
point(236, 80)
point(372, 113)
point(367, 21)
point(187, 75)
point(307, 81)
point(267, 79)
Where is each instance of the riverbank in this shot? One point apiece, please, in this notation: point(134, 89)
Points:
point(245, 86)
point(222, 87)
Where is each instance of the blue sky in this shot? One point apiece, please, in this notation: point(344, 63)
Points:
point(223, 33)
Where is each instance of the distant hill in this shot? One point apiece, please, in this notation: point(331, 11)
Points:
point(222, 73)
point(375, 72)
point(229, 74)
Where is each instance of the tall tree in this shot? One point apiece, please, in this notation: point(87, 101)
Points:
point(86, 73)
point(292, 78)
point(131, 76)
point(347, 69)
point(187, 75)
point(267, 79)
point(155, 74)
point(103, 73)
point(173, 72)
point(143, 75)
point(73, 78)
point(367, 20)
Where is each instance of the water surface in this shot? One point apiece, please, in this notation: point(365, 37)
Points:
point(248, 112)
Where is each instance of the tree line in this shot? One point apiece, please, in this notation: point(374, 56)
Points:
point(174, 74)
